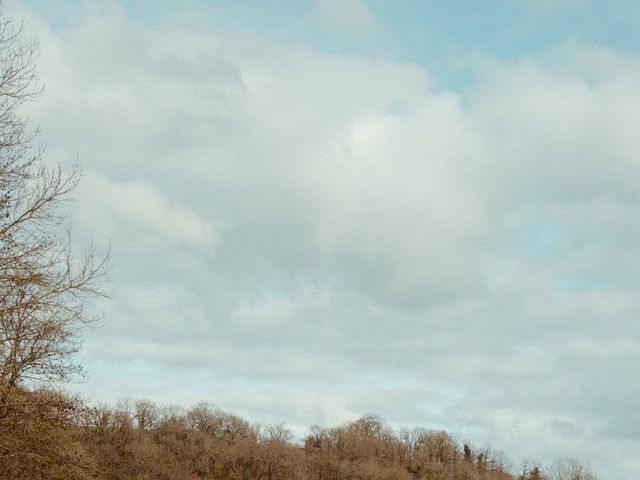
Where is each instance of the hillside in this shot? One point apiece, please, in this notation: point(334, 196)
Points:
point(46, 434)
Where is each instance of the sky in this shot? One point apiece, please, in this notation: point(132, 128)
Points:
point(425, 210)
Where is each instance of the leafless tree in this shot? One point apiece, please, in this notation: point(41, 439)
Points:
point(43, 285)
point(145, 414)
point(570, 469)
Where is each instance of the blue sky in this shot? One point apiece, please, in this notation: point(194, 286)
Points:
point(318, 210)
point(443, 36)
point(414, 31)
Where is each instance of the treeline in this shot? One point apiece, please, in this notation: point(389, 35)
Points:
point(45, 434)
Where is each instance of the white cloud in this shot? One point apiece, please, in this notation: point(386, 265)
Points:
point(137, 211)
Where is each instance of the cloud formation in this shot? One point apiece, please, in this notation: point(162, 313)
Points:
point(309, 236)
point(137, 212)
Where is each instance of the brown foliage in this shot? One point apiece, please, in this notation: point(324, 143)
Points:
point(56, 436)
point(40, 437)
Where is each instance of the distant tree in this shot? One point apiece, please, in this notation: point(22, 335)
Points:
point(570, 469)
point(276, 433)
point(204, 417)
point(500, 461)
point(467, 453)
point(529, 471)
point(535, 474)
point(145, 414)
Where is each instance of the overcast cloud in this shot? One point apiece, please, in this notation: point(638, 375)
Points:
point(309, 235)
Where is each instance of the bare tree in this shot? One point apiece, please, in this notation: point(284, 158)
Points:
point(43, 286)
point(570, 469)
point(276, 433)
point(145, 414)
